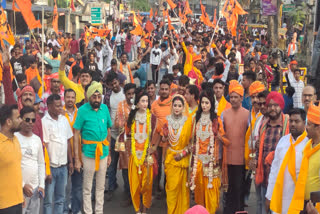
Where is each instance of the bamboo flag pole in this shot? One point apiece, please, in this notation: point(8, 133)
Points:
point(42, 50)
point(215, 30)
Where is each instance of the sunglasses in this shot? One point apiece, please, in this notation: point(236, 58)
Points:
point(33, 120)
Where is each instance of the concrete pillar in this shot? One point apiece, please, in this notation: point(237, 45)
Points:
point(67, 22)
point(77, 23)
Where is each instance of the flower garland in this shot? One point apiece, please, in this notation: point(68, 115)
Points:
point(146, 144)
point(211, 154)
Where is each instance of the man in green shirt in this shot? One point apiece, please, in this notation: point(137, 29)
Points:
point(93, 122)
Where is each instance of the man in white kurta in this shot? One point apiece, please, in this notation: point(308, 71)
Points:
point(297, 127)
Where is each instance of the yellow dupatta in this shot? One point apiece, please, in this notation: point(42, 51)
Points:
point(248, 150)
point(290, 161)
point(40, 92)
point(297, 202)
point(222, 105)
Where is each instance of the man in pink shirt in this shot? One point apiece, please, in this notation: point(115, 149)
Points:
point(236, 116)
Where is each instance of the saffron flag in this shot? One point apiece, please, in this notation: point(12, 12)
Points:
point(5, 29)
point(72, 5)
point(170, 27)
point(165, 13)
point(151, 13)
point(149, 26)
point(55, 18)
point(136, 20)
point(137, 31)
point(28, 16)
point(215, 18)
point(14, 6)
point(204, 17)
point(155, 13)
point(171, 4)
point(183, 17)
point(187, 9)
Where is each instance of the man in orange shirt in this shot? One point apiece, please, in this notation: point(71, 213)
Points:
point(11, 196)
point(161, 108)
point(32, 71)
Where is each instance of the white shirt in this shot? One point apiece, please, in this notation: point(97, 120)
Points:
point(54, 43)
point(288, 183)
point(173, 60)
point(238, 56)
point(100, 62)
point(56, 134)
point(32, 162)
point(165, 58)
point(297, 96)
point(155, 56)
point(115, 99)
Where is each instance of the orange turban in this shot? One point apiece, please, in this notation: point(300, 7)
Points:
point(256, 87)
point(314, 114)
point(235, 86)
point(196, 58)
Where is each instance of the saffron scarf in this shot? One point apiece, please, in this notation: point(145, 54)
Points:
point(285, 130)
point(129, 69)
point(293, 45)
point(223, 105)
point(297, 202)
point(290, 161)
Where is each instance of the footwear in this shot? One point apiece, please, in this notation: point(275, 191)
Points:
point(108, 196)
point(126, 203)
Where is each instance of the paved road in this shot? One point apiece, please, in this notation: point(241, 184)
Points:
point(158, 206)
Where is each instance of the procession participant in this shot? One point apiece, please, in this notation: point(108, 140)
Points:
point(122, 114)
point(85, 78)
point(308, 180)
point(140, 169)
point(286, 163)
point(126, 67)
point(151, 90)
point(308, 96)
point(219, 88)
point(71, 112)
point(32, 163)
point(236, 116)
point(184, 81)
point(177, 131)
point(116, 97)
point(93, 122)
point(11, 194)
point(276, 126)
point(208, 166)
point(56, 136)
point(192, 98)
point(248, 78)
point(161, 108)
point(298, 86)
point(75, 62)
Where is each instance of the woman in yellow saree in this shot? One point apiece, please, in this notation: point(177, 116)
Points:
point(208, 165)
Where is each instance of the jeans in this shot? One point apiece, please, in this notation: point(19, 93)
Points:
point(129, 56)
point(56, 190)
point(119, 51)
point(146, 67)
point(16, 209)
point(76, 191)
point(157, 179)
point(162, 72)
point(234, 196)
point(155, 73)
point(112, 171)
point(32, 203)
point(261, 192)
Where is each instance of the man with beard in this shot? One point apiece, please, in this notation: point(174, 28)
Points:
point(125, 67)
point(218, 88)
point(288, 157)
point(161, 108)
point(151, 90)
point(71, 112)
point(56, 136)
point(11, 196)
point(85, 78)
point(276, 126)
point(122, 115)
point(116, 97)
point(236, 116)
point(93, 122)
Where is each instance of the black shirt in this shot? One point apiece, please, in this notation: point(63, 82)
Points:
point(17, 65)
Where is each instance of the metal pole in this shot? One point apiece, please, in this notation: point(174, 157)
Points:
point(42, 50)
point(14, 20)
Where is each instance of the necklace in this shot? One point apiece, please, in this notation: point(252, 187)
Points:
point(175, 126)
point(205, 119)
point(141, 117)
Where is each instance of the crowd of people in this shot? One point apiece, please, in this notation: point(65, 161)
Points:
point(215, 117)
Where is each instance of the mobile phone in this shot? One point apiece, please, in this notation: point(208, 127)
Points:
point(315, 197)
point(40, 193)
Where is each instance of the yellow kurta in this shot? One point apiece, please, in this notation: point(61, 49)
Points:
point(178, 200)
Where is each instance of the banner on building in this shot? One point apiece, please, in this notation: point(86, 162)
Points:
point(269, 7)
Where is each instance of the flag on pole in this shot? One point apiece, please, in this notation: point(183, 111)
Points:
point(187, 9)
point(55, 18)
point(215, 18)
point(151, 13)
point(137, 31)
point(170, 27)
point(183, 17)
point(72, 5)
point(28, 16)
point(5, 29)
point(171, 4)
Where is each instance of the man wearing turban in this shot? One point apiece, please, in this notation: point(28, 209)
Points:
point(93, 122)
point(271, 130)
point(236, 116)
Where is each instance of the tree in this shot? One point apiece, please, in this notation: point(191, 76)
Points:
point(299, 14)
point(140, 5)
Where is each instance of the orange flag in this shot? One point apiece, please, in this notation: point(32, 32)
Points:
point(156, 13)
point(165, 13)
point(170, 27)
point(72, 5)
point(149, 26)
point(151, 13)
point(25, 8)
point(137, 31)
point(183, 17)
point(204, 17)
point(172, 5)
point(14, 6)
point(187, 9)
point(55, 18)
point(215, 18)
point(5, 29)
